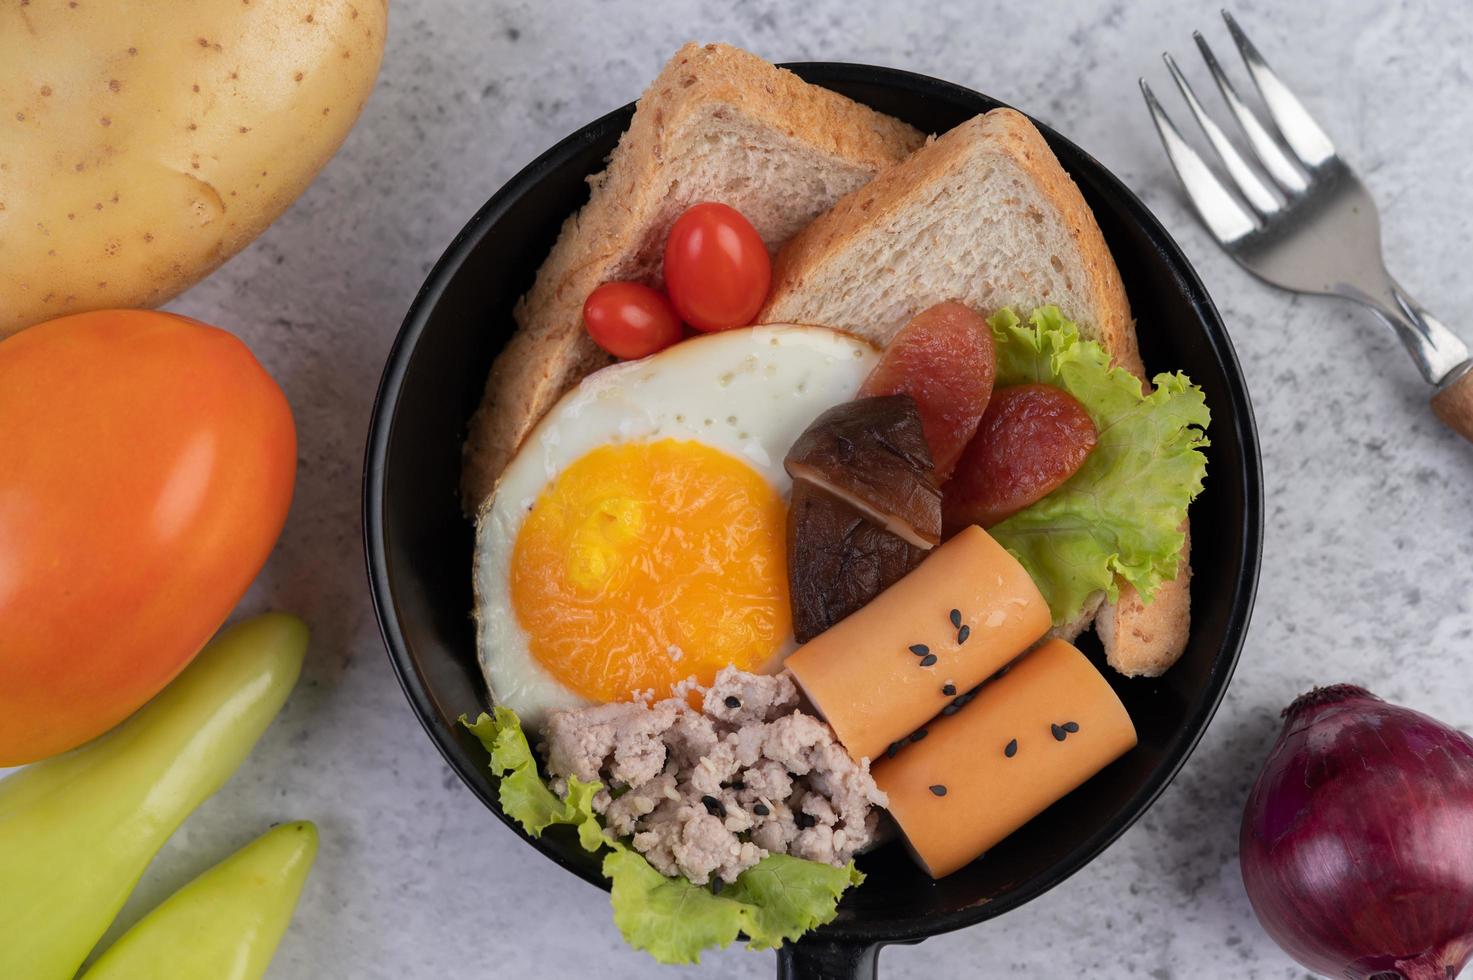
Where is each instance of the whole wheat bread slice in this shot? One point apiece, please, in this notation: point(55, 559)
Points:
point(718, 124)
point(984, 215)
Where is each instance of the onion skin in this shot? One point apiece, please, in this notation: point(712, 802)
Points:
point(1357, 839)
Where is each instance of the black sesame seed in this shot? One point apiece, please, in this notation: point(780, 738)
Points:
point(948, 689)
point(963, 634)
point(804, 820)
point(1071, 726)
point(938, 790)
point(733, 702)
point(956, 618)
point(713, 806)
point(1011, 749)
point(893, 748)
point(951, 709)
point(1058, 732)
point(929, 660)
point(965, 699)
point(761, 810)
point(919, 649)
point(919, 734)
point(738, 784)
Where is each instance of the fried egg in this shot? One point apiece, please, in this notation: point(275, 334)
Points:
point(638, 537)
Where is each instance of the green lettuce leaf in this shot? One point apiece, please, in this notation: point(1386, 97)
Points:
point(788, 896)
point(524, 796)
point(778, 899)
point(1121, 514)
point(580, 810)
point(669, 918)
point(775, 901)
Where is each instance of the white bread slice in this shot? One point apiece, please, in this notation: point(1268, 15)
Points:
point(984, 215)
point(717, 124)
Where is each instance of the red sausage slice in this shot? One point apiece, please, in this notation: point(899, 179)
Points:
point(1031, 439)
point(944, 359)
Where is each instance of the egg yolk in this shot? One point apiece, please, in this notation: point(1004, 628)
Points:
point(646, 563)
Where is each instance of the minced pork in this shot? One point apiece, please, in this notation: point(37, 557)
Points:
point(711, 792)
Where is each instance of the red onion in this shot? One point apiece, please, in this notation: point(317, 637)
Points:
point(1357, 843)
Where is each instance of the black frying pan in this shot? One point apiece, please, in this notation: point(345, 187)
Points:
point(419, 546)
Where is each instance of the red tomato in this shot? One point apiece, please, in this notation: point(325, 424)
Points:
point(944, 359)
point(629, 320)
point(148, 467)
point(716, 268)
point(1032, 438)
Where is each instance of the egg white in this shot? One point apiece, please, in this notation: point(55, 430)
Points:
point(749, 393)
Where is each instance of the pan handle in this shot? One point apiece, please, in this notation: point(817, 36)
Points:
point(826, 959)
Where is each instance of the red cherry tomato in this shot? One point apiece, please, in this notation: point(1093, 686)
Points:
point(629, 320)
point(716, 268)
point(146, 467)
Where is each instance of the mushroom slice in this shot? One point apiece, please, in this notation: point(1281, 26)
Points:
point(871, 453)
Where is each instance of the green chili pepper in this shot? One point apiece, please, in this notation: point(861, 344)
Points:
point(226, 923)
point(77, 830)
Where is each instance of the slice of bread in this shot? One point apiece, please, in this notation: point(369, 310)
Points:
point(984, 215)
point(718, 124)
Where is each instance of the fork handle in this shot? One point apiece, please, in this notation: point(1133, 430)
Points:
point(1438, 352)
point(1453, 403)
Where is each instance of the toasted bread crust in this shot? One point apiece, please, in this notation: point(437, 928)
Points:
point(551, 352)
point(1070, 631)
point(1144, 640)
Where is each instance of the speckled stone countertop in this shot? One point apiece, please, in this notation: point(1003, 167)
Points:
point(1366, 572)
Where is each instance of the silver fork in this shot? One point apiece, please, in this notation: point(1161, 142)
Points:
point(1301, 219)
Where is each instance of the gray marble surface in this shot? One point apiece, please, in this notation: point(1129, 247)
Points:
point(1365, 576)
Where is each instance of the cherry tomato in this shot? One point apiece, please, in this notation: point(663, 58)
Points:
point(1031, 439)
point(716, 268)
point(148, 464)
point(629, 320)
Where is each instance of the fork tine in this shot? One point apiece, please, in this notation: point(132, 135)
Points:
point(1300, 131)
point(1247, 181)
point(1219, 210)
point(1265, 147)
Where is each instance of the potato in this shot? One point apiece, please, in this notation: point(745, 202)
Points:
point(143, 143)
